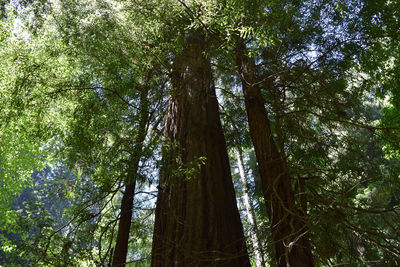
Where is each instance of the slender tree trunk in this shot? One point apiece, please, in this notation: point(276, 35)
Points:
point(250, 212)
point(196, 222)
point(289, 230)
point(124, 226)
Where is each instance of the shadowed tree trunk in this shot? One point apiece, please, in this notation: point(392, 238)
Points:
point(124, 226)
point(197, 222)
point(289, 230)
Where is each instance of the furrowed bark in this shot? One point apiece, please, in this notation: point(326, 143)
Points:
point(289, 230)
point(196, 222)
point(124, 226)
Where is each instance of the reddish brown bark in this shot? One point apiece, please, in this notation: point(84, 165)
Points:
point(289, 230)
point(197, 222)
point(124, 226)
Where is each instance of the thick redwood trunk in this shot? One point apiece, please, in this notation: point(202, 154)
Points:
point(289, 230)
point(124, 226)
point(197, 222)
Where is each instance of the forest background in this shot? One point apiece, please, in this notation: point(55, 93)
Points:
point(183, 132)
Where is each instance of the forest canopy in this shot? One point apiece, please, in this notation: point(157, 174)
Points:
point(199, 133)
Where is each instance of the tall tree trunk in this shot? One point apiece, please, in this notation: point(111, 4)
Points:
point(250, 211)
point(196, 222)
point(289, 230)
point(124, 226)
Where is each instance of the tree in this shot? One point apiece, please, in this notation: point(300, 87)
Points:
point(121, 243)
point(124, 130)
point(290, 233)
point(258, 255)
point(95, 135)
point(197, 221)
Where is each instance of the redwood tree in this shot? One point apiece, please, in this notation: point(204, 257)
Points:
point(197, 221)
point(289, 229)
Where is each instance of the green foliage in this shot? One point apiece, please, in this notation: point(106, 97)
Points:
point(189, 170)
point(391, 132)
point(71, 79)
